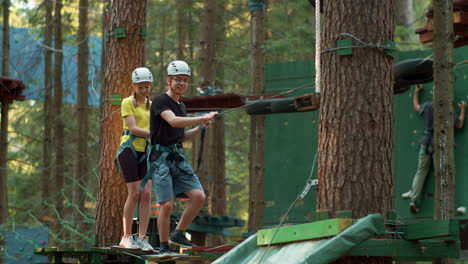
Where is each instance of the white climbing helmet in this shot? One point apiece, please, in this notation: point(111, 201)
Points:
point(142, 75)
point(178, 67)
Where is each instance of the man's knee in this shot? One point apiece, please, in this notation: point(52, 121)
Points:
point(198, 197)
point(167, 206)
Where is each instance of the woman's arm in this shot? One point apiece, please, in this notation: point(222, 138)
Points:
point(139, 132)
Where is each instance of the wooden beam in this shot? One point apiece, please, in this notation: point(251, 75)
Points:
point(320, 229)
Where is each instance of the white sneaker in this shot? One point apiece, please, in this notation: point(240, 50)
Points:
point(406, 194)
point(128, 242)
point(144, 245)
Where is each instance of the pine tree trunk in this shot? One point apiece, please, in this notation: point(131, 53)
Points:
point(182, 30)
point(444, 167)
point(162, 50)
point(403, 12)
point(124, 55)
point(5, 105)
point(47, 144)
point(3, 169)
point(59, 126)
point(207, 79)
point(257, 135)
point(82, 168)
point(356, 120)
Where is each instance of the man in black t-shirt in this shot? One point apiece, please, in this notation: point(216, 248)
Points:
point(426, 148)
point(171, 174)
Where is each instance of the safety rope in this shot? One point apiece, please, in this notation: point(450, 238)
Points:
point(318, 47)
point(300, 196)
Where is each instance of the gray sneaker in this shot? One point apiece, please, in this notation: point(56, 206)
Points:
point(129, 243)
point(144, 245)
point(181, 241)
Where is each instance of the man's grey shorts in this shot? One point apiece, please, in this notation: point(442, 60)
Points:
point(172, 178)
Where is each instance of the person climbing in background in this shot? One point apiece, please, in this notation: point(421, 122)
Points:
point(131, 158)
point(426, 147)
point(172, 175)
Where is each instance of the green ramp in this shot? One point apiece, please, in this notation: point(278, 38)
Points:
point(314, 251)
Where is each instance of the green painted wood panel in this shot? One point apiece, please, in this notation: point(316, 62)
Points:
point(291, 143)
point(447, 228)
point(313, 230)
point(290, 146)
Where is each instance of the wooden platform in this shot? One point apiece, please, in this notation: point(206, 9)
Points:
point(96, 255)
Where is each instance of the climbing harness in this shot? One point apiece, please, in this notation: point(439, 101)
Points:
point(125, 145)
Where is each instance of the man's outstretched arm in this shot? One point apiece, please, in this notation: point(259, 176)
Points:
point(461, 118)
point(417, 91)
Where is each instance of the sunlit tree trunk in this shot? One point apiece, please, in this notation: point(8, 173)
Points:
point(5, 104)
point(124, 55)
point(257, 136)
point(444, 155)
point(356, 120)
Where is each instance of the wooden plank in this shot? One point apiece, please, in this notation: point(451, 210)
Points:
point(307, 102)
point(300, 232)
point(432, 229)
point(407, 250)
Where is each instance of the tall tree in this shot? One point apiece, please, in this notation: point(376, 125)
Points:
point(403, 12)
point(162, 51)
point(47, 143)
point(356, 119)
point(82, 168)
point(182, 28)
point(217, 170)
point(444, 155)
point(257, 136)
point(59, 125)
point(207, 74)
point(5, 104)
point(213, 172)
point(124, 54)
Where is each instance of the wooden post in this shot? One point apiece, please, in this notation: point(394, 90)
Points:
point(257, 136)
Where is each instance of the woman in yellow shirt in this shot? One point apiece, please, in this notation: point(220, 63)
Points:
point(131, 158)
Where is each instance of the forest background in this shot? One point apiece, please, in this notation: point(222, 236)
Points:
point(289, 36)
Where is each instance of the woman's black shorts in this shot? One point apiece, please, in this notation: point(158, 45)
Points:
point(131, 169)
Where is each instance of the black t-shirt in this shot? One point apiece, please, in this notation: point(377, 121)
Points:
point(161, 132)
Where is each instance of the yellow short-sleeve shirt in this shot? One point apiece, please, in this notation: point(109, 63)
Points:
point(142, 120)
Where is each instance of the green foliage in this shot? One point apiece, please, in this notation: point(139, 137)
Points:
point(405, 36)
point(26, 204)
